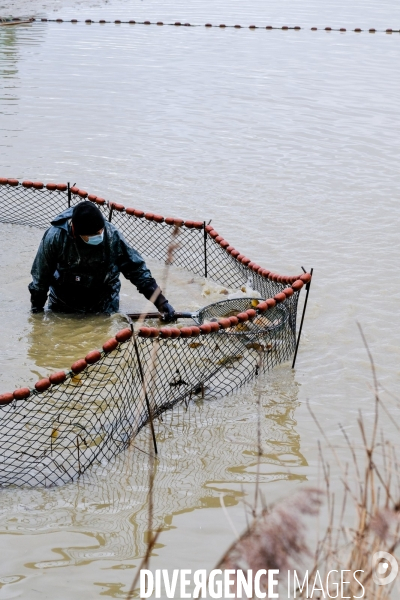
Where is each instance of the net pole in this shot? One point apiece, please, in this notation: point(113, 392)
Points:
point(205, 249)
point(302, 319)
point(146, 396)
point(69, 195)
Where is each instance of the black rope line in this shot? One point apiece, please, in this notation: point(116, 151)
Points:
point(223, 25)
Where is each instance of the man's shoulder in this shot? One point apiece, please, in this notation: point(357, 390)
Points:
point(54, 235)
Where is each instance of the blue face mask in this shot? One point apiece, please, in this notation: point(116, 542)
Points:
point(95, 240)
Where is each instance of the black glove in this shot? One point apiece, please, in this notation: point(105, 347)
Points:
point(161, 303)
point(168, 312)
point(38, 300)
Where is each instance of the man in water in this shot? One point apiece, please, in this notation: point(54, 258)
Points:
point(79, 262)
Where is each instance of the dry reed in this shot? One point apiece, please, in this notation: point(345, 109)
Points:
point(147, 389)
point(278, 538)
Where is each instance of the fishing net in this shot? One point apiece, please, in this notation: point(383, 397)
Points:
point(112, 503)
point(53, 433)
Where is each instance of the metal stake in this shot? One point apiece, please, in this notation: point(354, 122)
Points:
point(146, 396)
point(302, 319)
point(205, 249)
point(79, 458)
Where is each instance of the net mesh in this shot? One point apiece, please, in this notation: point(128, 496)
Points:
point(52, 437)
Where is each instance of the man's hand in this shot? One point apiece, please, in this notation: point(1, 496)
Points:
point(168, 312)
point(163, 306)
point(38, 300)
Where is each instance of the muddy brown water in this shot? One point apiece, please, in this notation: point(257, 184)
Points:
point(288, 141)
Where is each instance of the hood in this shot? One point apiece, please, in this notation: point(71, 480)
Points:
point(61, 221)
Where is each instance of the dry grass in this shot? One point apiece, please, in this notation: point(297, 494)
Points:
point(147, 388)
point(277, 537)
point(365, 520)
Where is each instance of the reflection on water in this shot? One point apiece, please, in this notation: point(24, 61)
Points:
point(55, 341)
point(10, 44)
point(8, 53)
point(206, 450)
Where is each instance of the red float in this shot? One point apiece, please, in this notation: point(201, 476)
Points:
point(58, 377)
point(123, 335)
point(110, 345)
point(79, 366)
point(42, 385)
point(22, 393)
point(6, 398)
point(93, 357)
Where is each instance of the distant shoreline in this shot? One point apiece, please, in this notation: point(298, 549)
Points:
point(22, 8)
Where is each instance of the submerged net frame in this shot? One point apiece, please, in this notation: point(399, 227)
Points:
point(53, 433)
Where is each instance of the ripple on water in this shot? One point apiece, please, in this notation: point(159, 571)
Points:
point(288, 141)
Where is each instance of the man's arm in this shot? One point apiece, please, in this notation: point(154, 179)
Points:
point(43, 268)
point(133, 267)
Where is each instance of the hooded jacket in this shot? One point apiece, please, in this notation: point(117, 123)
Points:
point(85, 278)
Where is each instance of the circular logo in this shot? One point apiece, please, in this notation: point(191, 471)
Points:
point(384, 568)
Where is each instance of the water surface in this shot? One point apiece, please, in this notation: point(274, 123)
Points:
point(288, 142)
